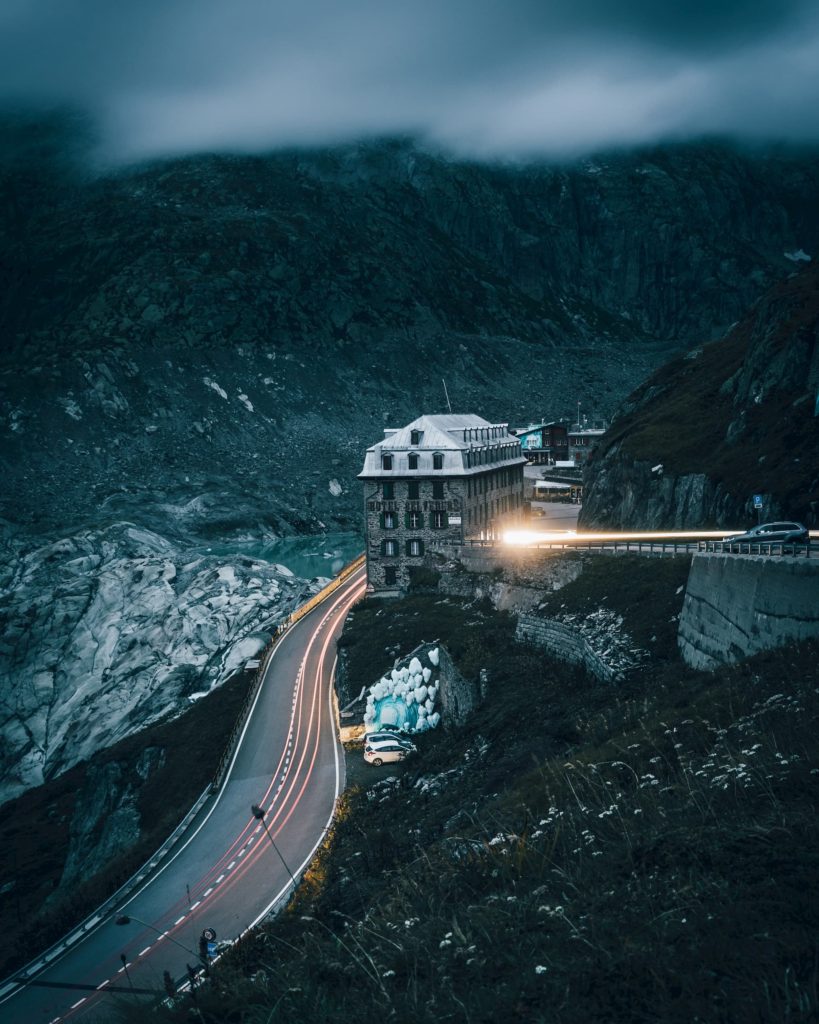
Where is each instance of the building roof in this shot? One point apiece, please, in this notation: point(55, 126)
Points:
point(586, 431)
point(452, 436)
point(537, 426)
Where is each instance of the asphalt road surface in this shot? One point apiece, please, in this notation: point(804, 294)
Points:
point(226, 874)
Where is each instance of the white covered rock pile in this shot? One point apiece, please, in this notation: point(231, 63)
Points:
point(406, 698)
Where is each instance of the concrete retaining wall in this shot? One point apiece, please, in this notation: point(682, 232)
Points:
point(737, 605)
point(565, 643)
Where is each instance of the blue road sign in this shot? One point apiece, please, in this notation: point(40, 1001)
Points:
point(757, 501)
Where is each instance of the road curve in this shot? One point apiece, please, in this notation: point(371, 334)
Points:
point(225, 874)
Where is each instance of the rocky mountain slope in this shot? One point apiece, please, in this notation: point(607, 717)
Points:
point(735, 418)
point(200, 350)
point(247, 324)
point(109, 630)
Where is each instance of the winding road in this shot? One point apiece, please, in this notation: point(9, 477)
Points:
point(225, 873)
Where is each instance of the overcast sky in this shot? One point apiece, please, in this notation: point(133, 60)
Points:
point(486, 78)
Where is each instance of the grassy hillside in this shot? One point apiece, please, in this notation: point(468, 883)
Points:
point(577, 853)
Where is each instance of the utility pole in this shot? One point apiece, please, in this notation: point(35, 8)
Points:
point(446, 393)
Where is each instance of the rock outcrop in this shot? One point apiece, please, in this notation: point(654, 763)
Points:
point(107, 631)
point(692, 445)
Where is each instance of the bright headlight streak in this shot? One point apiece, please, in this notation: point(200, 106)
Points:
point(522, 538)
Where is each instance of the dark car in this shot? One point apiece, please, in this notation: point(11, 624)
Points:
point(772, 533)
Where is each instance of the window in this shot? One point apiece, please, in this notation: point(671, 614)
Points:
point(414, 521)
point(386, 461)
point(413, 490)
point(412, 460)
point(437, 461)
point(389, 548)
point(388, 490)
point(438, 489)
point(415, 437)
point(439, 521)
point(415, 547)
point(390, 575)
point(389, 521)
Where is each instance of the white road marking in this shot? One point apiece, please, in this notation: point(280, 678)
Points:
point(179, 920)
point(207, 892)
point(195, 905)
point(79, 1002)
point(106, 982)
point(219, 879)
point(144, 951)
point(232, 865)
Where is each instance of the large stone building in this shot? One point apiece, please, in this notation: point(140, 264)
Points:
point(440, 480)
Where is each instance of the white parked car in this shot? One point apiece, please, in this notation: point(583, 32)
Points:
point(385, 753)
point(373, 739)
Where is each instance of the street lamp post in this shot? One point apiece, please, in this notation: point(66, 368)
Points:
point(124, 960)
point(259, 814)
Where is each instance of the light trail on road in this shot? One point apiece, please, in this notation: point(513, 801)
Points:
point(531, 538)
point(527, 537)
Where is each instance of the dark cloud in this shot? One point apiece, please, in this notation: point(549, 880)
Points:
point(483, 77)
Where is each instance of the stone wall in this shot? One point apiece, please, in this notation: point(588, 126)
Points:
point(737, 605)
point(459, 697)
point(566, 643)
point(516, 582)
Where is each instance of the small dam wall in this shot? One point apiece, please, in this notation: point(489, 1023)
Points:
point(737, 605)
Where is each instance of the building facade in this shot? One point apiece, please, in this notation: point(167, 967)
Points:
point(544, 443)
point(439, 480)
point(581, 442)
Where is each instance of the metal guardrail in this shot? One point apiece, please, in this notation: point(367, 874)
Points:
point(735, 547)
point(654, 547)
point(25, 973)
point(267, 654)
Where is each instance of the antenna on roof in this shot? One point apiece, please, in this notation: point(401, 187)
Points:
point(448, 403)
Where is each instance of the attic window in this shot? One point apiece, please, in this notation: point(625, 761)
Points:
point(412, 460)
point(415, 437)
point(386, 461)
point(437, 461)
